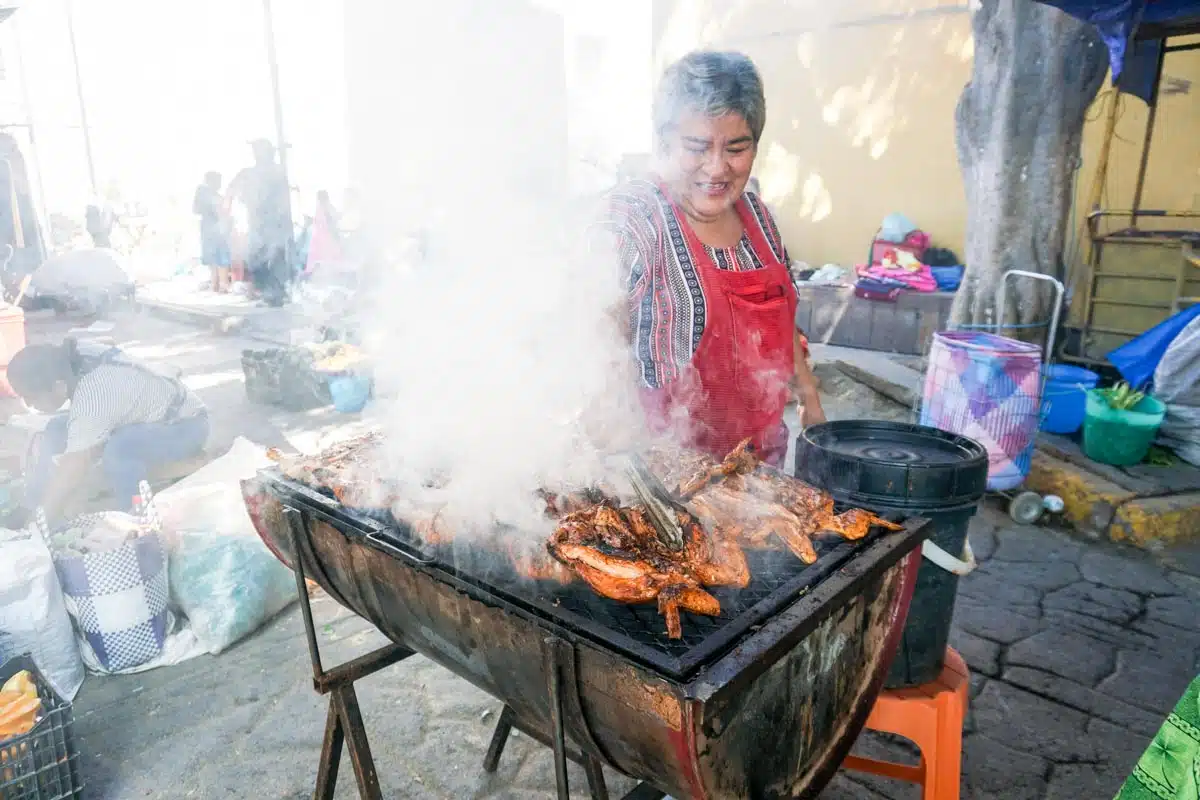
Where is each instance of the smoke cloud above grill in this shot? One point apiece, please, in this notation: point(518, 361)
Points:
point(500, 367)
point(501, 371)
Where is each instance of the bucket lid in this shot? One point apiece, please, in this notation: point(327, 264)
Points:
point(873, 463)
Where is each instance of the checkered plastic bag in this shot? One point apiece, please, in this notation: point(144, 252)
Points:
point(118, 598)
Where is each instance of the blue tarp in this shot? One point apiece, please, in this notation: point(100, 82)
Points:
point(1137, 359)
point(1116, 20)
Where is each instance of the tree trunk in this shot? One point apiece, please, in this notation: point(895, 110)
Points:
point(1019, 124)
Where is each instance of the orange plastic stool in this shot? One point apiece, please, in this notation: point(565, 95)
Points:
point(931, 716)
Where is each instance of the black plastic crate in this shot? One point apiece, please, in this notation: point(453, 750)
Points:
point(285, 377)
point(42, 764)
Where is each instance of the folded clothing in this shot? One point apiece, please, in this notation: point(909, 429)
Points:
point(880, 290)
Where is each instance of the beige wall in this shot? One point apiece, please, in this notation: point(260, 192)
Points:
point(861, 97)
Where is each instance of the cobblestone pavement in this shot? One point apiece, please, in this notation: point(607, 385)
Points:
point(1077, 652)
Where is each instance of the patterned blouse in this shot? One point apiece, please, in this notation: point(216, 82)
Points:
point(666, 297)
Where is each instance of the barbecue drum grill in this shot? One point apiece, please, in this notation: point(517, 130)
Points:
point(763, 701)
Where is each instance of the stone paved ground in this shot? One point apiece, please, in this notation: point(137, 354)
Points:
point(1077, 653)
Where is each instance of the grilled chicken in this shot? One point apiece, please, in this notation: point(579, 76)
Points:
point(815, 505)
point(740, 461)
point(731, 505)
point(753, 502)
point(617, 552)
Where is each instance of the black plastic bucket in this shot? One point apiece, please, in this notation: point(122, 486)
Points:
point(916, 471)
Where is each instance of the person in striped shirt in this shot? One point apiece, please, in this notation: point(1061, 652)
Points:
point(711, 311)
point(124, 416)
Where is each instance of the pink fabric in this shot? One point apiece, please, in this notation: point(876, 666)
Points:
point(322, 248)
point(916, 243)
point(921, 280)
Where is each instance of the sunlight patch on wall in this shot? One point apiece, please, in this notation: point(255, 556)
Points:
point(960, 46)
point(868, 111)
point(778, 173)
point(816, 202)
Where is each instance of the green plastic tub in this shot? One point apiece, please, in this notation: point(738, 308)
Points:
point(1120, 438)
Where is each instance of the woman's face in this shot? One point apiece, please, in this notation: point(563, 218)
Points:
point(709, 161)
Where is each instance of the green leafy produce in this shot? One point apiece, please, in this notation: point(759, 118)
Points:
point(1161, 457)
point(1122, 397)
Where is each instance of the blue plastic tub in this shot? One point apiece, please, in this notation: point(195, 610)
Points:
point(350, 393)
point(1064, 400)
point(948, 278)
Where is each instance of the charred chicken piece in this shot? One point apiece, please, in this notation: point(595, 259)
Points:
point(741, 460)
point(432, 530)
point(856, 523)
point(618, 554)
point(808, 500)
point(753, 520)
point(538, 565)
point(345, 470)
point(715, 557)
point(676, 596)
point(559, 504)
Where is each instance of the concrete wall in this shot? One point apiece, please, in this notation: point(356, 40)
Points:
point(861, 97)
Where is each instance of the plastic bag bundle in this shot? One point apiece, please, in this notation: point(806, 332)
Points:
point(1177, 384)
point(223, 578)
point(228, 586)
point(33, 616)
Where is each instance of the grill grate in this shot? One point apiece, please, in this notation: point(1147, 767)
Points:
point(638, 631)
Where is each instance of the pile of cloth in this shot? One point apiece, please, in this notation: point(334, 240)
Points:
point(899, 261)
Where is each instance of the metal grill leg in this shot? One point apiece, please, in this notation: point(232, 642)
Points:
point(344, 723)
point(331, 754)
point(595, 778)
point(553, 660)
point(491, 761)
point(356, 742)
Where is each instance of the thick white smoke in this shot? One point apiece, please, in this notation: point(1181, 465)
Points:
point(499, 366)
point(503, 371)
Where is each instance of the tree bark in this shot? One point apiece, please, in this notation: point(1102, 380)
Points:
point(1019, 123)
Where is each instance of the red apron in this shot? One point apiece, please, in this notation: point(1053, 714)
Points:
point(737, 384)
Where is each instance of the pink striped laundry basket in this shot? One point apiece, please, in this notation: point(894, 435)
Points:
point(988, 388)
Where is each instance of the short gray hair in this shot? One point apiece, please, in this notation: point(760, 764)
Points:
point(713, 84)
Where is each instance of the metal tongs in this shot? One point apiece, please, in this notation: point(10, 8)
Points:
point(662, 506)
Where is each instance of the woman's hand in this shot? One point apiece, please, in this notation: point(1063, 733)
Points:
point(807, 397)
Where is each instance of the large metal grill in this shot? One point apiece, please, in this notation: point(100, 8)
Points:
point(636, 631)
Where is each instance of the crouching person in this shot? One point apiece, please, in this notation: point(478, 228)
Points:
point(125, 418)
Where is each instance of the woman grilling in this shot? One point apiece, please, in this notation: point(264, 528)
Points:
point(711, 302)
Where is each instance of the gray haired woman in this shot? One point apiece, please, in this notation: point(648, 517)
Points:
point(712, 305)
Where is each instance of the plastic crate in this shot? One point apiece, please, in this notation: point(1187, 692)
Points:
point(42, 764)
